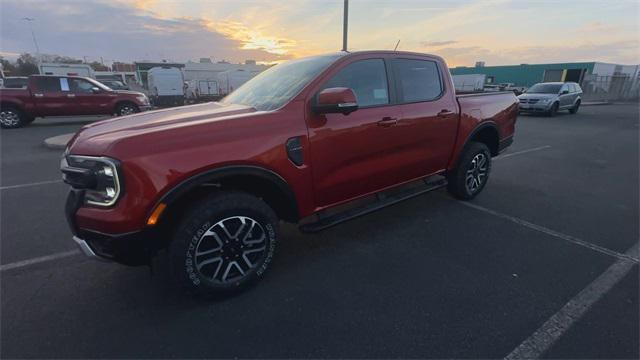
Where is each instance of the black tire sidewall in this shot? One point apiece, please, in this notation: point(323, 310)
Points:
point(21, 118)
point(554, 110)
point(199, 220)
point(122, 105)
point(457, 180)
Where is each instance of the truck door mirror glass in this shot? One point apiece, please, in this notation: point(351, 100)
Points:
point(336, 100)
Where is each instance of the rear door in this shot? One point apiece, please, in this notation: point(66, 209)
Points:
point(51, 96)
point(429, 115)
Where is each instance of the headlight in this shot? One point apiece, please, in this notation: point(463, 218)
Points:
point(544, 101)
point(143, 99)
point(98, 176)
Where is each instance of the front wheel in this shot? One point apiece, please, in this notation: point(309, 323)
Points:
point(554, 110)
point(12, 118)
point(471, 173)
point(126, 109)
point(224, 244)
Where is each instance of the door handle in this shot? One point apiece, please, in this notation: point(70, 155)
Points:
point(71, 95)
point(445, 113)
point(38, 95)
point(387, 121)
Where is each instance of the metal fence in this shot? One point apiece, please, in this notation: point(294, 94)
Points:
point(621, 87)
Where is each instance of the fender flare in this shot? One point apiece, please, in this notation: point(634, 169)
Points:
point(483, 125)
point(220, 173)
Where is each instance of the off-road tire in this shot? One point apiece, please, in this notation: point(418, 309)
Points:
point(191, 238)
point(457, 179)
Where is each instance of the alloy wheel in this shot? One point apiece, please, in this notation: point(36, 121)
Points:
point(127, 110)
point(9, 118)
point(230, 249)
point(477, 173)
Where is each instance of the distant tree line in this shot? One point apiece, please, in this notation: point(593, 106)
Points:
point(27, 64)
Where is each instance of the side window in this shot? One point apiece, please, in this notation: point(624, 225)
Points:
point(80, 86)
point(418, 80)
point(578, 88)
point(367, 79)
point(564, 87)
point(48, 84)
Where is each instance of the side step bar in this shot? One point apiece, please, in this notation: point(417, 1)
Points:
point(383, 201)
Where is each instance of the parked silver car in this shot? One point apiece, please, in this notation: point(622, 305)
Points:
point(551, 97)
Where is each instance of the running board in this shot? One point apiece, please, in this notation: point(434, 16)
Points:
point(381, 202)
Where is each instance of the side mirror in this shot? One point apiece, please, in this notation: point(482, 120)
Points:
point(564, 92)
point(338, 100)
point(95, 90)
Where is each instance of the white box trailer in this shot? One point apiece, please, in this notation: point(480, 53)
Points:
point(166, 86)
point(233, 79)
point(67, 70)
point(469, 83)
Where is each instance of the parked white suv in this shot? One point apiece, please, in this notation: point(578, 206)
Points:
point(551, 97)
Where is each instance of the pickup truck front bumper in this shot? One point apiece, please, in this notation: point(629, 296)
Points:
point(128, 249)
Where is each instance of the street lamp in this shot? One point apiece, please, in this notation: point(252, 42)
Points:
point(33, 35)
point(345, 25)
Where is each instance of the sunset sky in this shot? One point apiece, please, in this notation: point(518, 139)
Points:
point(463, 32)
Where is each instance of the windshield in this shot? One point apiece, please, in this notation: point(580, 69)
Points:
point(98, 84)
point(544, 89)
point(274, 87)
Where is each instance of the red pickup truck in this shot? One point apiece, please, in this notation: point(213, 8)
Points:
point(210, 182)
point(65, 96)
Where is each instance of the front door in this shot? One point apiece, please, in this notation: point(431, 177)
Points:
point(87, 101)
point(356, 154)
point(566, 99)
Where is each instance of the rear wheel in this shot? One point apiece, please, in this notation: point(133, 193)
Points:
point(554, 110)
point(471, 173)
point(575, 108)
point(224, 244)
point(126, 109)
point(12, 118)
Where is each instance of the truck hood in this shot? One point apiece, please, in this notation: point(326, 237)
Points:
point(94, 139)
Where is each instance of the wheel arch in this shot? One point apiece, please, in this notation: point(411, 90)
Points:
point(11, 104)
point(255, 180)
point(488, 134)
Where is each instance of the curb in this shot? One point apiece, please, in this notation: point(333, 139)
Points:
point(596, 103)
point(58, 142)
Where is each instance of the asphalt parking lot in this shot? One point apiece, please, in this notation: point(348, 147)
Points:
point(541, 259)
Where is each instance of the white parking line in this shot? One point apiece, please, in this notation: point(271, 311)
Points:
point(522, 152)
point(553, 233)
point(41, 259)
point(30, 184)
point(542, 339)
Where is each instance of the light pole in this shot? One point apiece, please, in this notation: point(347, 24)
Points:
point(33, 35)
point(345, 25)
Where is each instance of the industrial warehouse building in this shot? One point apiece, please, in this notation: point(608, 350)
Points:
point(598, 80)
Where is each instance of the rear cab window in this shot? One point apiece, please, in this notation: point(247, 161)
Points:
point(417, 80)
